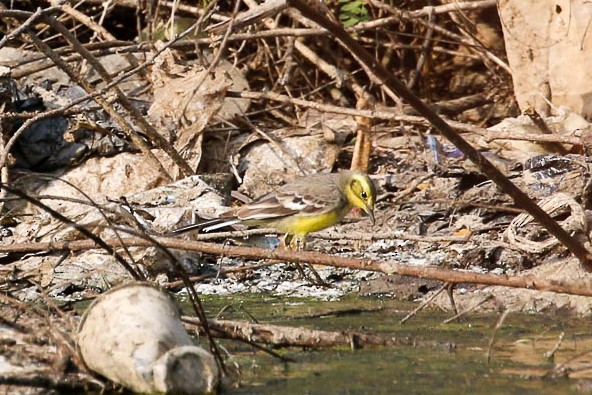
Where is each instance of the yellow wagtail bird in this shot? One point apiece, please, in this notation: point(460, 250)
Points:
point(303, 206)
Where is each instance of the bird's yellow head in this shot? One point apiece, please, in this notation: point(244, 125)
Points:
point(360, 192)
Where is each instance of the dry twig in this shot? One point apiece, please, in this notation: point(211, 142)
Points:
point(287, 336)
point(527, 281)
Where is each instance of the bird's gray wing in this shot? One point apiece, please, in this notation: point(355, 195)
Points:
point(266, 207)
point(312, 195)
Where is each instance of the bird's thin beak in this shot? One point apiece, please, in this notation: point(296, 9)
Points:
point(370, 213)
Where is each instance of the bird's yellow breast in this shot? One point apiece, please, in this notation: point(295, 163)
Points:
point(304, 224)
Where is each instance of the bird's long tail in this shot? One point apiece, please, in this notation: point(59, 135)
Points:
point(206, 226)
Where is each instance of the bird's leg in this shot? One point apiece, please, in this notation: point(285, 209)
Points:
point(292, 242)
point(288, 243)
point(298, 243)
point(285, 241)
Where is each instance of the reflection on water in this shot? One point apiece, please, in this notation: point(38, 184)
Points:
point(437, 358)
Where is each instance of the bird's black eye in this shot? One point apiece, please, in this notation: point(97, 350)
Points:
point(364, 195)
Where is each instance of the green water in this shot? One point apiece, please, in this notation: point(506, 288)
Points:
point(434, 358)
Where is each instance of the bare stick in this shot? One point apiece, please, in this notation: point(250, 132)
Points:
point(27, 24)
point(498, 325)
point(468, 310)
point(288, 336)
point(429, 272)
point(423, 304)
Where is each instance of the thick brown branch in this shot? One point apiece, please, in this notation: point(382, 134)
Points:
point(427, 272)
point(290, 336)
